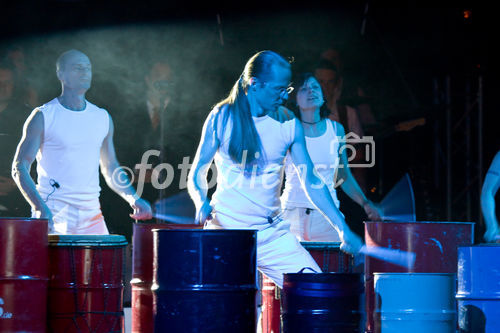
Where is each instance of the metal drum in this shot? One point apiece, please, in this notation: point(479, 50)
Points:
point(478, 292)
point(86, 283)
point(271, 306)
point(329, 258)
point(322, 302)
point(434, 243)
point(142, 273)
point(205, 281)
point(23, 275)
point(415, 303)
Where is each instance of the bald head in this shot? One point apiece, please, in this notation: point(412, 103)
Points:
point(74, 70)
point(68, 57)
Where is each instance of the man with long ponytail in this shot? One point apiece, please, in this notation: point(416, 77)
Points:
point(248, 142)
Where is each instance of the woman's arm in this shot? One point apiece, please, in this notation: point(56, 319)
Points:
point(349, 184)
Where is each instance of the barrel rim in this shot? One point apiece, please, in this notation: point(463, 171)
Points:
point(480, 245)
point(87, 240)
point(325, 274)
point(205, 230)
point(169, 224)
point(323, 245)
point(414, 273)
point(418, 222)
point(24, 219)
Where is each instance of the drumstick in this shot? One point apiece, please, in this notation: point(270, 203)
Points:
point(174, 218)
point(397, 257)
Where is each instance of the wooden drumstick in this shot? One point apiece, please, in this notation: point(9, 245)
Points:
point(397, 257)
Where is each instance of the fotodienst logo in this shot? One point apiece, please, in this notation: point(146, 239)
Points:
point(264, 175)
point(352, 144)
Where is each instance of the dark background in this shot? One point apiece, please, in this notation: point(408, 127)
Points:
point(403, 50)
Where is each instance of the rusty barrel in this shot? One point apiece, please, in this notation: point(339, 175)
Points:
point(23, 274)
point(86, 283)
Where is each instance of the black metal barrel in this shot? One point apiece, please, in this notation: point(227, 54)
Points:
point(322, 302)
point(204, 280)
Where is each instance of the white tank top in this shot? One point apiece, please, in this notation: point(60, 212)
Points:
point(70, 153)
point(247, 202)
point(323, 151)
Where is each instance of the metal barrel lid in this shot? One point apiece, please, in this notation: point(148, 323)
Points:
point(320, 245)
point(87, 240)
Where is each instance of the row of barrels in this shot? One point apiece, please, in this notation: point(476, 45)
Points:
point(205, 281)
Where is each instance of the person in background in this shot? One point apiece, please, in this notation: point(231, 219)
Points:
point(71, 139)
point(326, 148)
point(490, 188)
point(27, 90)
point(359, 99)
point(331, 82)
point(158, 122)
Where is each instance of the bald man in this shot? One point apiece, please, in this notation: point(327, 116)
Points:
point(70, 138)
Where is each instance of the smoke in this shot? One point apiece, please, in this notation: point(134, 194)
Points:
point(204, 69)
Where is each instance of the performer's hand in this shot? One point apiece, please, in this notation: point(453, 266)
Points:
point(45, 213)
point(492, 235)
point(203, 213)
point(142, 210)
point(351, 242)
point(373, 212)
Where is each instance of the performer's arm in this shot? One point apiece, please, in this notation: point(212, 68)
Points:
point(113, 172)
point(25, 155)
point(350, 185)
point(197, 179)
point(319, 193)
point(490, 188)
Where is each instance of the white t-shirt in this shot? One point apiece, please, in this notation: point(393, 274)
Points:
point(70, 152)
point(323, 151)
point(248, 202)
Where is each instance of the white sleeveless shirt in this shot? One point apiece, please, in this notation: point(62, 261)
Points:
point(247, 202)
point(70, 152)
point(323, 151)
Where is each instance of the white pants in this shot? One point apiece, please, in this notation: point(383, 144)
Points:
point(70, 220)
point(310, 225)
point(278, 250)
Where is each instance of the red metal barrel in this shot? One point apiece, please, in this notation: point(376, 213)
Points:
point(271, 308)
point(142, 273)
point(434, 243)
point(23, 274)
point(86, 283)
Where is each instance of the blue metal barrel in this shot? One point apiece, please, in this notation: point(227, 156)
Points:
point(322, 302)
point(478, 293)
point(415, 302)
point(204, 280)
